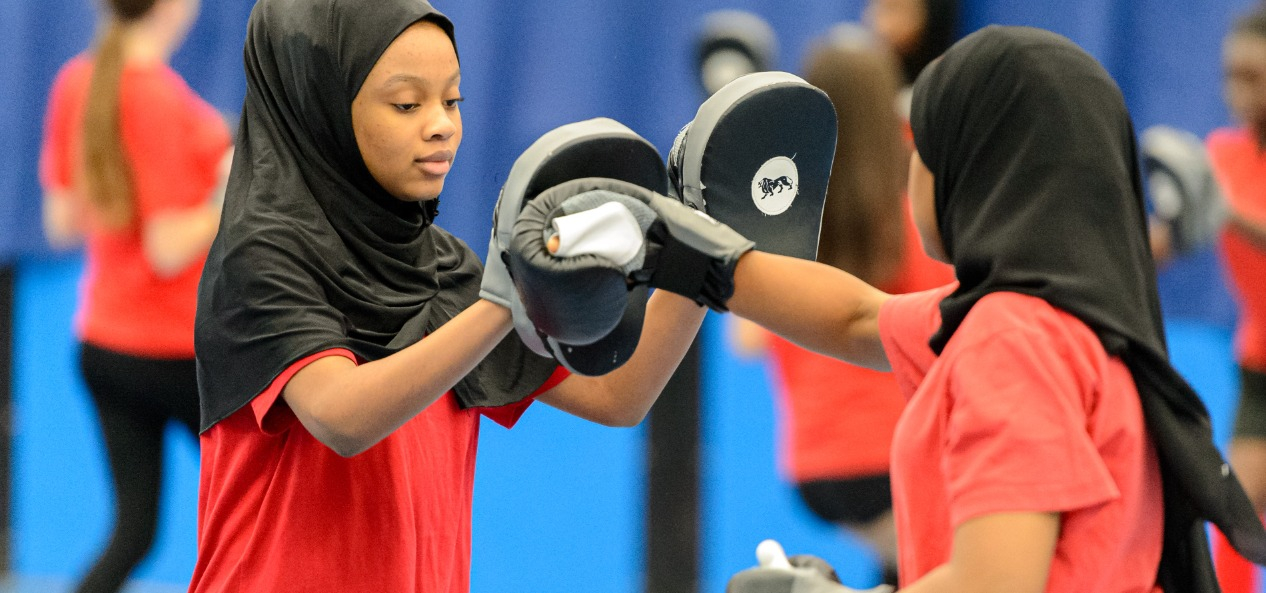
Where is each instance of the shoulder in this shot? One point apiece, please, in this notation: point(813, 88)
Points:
point(79, 66)
point(1224, 143)
point(905, 312)
point(1010, 326)
point(1227, 137)
point(157, 90)
point(1022, 314)
point(152, 85)
point(74, 74)
point(906, 322)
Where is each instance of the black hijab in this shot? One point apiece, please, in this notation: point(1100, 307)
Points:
point(1038, 192)
point(312, 253)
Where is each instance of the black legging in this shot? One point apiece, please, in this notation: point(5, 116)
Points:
point(134, 397)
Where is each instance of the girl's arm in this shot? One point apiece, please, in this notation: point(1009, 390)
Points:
point(819, 307)
point(351, 407)
point(812, 304)
point(998, 552)
point(747, 340)
point(624, 396)
point(174, 240)
point(62, 227)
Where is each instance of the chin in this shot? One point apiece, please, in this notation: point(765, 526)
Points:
point(421, 194)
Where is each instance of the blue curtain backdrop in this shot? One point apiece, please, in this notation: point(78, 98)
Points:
point(529, 66)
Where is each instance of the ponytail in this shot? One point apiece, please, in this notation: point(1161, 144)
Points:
point(107, 176)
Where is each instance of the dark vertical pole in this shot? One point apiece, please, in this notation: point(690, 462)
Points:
point(672, 558)
point(6, 418)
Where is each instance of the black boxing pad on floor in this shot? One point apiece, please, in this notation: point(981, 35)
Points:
point(757, 157)
point(596, 148)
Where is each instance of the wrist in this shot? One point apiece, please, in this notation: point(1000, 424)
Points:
point(493, 311)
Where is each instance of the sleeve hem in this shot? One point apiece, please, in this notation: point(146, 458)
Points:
point(266, 412)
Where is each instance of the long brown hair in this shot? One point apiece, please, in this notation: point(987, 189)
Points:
point(106, 174)
point(864, 221)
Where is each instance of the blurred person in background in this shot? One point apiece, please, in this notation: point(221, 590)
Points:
point(133, 165)
point(918, 31)
point(1238, 156)
point(837, 419)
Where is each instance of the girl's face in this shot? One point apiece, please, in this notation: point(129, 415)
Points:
point(899, 23)
point(1244, 61)
point(922, 188)
point(406, 117)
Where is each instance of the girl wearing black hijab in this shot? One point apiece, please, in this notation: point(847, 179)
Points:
point(1047, 444)
point(344, 355)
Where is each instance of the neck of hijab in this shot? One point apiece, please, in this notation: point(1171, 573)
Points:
point(312, 253)
point(1038, 192)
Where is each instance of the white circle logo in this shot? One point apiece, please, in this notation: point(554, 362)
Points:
point(776, 185)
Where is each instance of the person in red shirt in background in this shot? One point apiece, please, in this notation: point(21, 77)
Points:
point(347, 346)
point(917, 31)
point(837, 419)
point(133, 165)
point(1238, 157)
point(1047, 444)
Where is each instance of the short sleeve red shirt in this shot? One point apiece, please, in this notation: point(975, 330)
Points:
point(174, 142)
point(1023, 411)
point(838, 418)
point(1240, 168)
point(278, 511)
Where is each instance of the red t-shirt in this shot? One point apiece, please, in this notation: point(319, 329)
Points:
point(1023, 411)
point(174, 142)
point(278, 511)
point(837, 418)
point(1240, 168)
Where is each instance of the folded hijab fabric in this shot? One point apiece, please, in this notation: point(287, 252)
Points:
point(312, 253)
point(1037, 191)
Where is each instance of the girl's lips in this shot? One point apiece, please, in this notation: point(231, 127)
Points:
point(436, 167)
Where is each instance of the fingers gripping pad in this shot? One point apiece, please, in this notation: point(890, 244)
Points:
point(580, 299)
point(598, 147)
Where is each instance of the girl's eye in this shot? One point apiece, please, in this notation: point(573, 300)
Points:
point(452, 103)
point(405, 107)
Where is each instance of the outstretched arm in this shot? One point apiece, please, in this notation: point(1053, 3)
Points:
point(814, 305)
point(62, 227)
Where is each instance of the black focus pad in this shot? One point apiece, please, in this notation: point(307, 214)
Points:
point(758, 157)
point(612, 350)
point(599, 147)
point(732, 43)
point(589, 314)
point(1181, 185)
